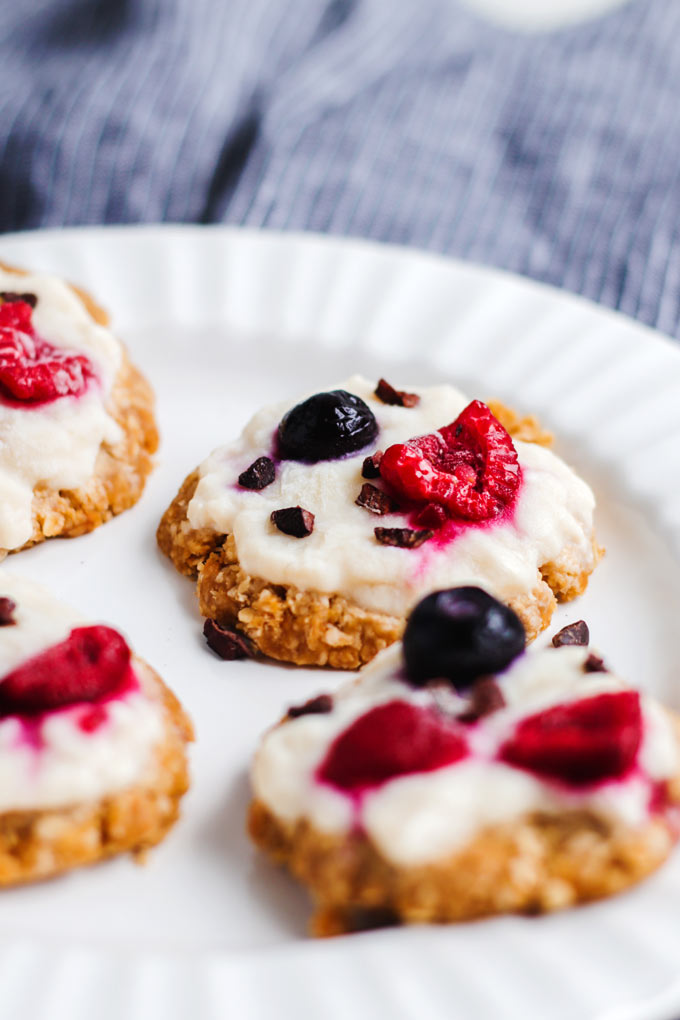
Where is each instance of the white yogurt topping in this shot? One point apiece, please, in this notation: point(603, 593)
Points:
point(423, 817)
point(71, 765)
point(554, 509)
point(54, 444)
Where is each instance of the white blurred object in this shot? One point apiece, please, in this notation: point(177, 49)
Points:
point(535, 15)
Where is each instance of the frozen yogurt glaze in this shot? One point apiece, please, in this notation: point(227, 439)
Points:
point(55, 444)
point(69, 764)
point(553, 512)
point(422, 817)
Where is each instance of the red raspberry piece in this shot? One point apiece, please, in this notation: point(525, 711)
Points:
point(16, 315)
point(91, 663)
point(394, 739)
point(470, 467)
point(432, 515)
point(32, 370)
point(581, 742)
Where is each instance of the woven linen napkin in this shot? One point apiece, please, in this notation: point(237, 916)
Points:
point(555, 154)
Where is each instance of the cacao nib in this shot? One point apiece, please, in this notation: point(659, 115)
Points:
point(315, 706)
point(293, 520)
point(371, 465)
point(13, 295)
point(227, 642)
point(400, 398)
point(486, 697)
point(7, 607)
point(370, 918)
point(594, 664)
point(403, 538)
point(573, 634)
point(375, 500)
point(259, 475)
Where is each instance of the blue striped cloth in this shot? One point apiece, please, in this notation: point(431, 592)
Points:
point(555, 155)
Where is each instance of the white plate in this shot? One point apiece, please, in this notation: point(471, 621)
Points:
point(222, 321)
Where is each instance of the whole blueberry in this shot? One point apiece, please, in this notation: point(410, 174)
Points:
point(460, 634)
point(326, 426)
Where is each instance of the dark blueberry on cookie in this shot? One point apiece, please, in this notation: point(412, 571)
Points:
point(460, 634)
point(326, 426)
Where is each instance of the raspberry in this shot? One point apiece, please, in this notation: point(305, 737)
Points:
point(660, 800)
point(580, 742)
point(432, 515)
point(32, 371)
point(470, 467)
point(91, 663)
point(394, 739)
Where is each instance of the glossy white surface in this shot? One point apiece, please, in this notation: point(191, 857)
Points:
point(224, 321)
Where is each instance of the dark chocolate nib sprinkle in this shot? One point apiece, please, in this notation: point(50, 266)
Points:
point(260, 474)
point(594, 664)
point(573, 634)
point(13, 295)
point(293, 520)
point(227, 642)
point(400, 398)
point(403, 538)
point(371, 465)
point(315, 706)
point(375, 500)
point(7, 607)
point(486, 697)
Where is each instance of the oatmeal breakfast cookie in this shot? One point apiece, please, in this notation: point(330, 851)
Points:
point(469, 778)
point(97, 764)
point(319, 581)
point(76, 415)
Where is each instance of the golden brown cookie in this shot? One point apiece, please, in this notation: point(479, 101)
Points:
point(113, 443)
point(309, 625)
point(467, 778)
point(38, 844)
point(92, 743)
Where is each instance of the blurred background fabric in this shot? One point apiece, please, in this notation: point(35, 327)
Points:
point(554, 154)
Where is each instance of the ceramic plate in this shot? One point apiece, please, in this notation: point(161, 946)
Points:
point(222, 321)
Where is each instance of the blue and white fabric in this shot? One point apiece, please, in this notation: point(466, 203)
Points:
point(552, 154)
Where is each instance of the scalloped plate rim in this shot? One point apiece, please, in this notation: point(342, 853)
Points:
point(669, 997)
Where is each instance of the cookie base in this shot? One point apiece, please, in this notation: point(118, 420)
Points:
point(534, 865)
point(40, 844)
